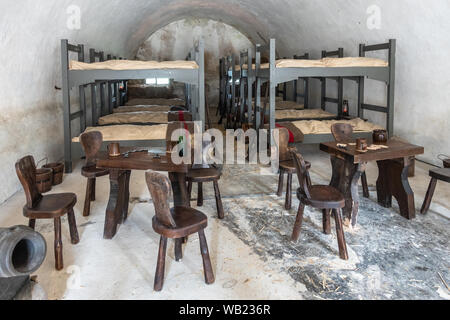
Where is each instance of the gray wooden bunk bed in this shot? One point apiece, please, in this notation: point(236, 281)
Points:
point(276, 75)
point(105, 82)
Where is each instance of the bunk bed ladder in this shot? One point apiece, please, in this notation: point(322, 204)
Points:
point(389, 109)
point(68, 116)
point(340, 81)
point(306, 82)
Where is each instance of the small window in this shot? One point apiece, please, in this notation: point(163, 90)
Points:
point(158, 81)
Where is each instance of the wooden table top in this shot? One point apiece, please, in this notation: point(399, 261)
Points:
point(395, 150)
point(144, 160)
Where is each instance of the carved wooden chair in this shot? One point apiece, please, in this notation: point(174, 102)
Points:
point(287, 166)
point(204, 174)
point(91, 142)
point(175, 223)
point(343, 133)
point(325, 198)
point(52, 206)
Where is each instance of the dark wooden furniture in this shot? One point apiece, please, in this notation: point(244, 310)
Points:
point(436, 175)
point(119, 174)
point(343, 133)
point(176, 223)
point(199, 175)
point(325, 198)
point(91, 143)
point(52, 206)
point(349, 164)
point(205, 175)
point(287, 166)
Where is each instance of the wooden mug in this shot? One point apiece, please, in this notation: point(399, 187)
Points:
point(114, 149)
point(361, 144)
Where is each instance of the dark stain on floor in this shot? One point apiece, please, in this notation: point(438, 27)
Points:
point(391, 257)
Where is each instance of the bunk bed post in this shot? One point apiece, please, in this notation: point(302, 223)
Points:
point(102, 89)
point(66, 106)
point(323, 82)
point(82, 93)
point(340, 87)
point(220, 106)
point(93, 92)
point(391, 87)
point(250, 85)
point(242, 88)
point(361, 83)
point(306, 83)
point(272, 90)
point(201, 83)
point(258, 88)
point(233, 85)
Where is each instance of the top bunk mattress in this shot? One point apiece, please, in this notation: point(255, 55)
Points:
point(324, 126)
point(303, 114)
point(120, 65)
point(129, 133)
point(329, 63)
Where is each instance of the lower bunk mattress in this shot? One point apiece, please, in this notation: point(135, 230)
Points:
point(299, 129)
point(144, 118)
point(117, 133)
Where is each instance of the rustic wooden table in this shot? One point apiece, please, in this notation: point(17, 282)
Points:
point(120, 171)
point(393, 164)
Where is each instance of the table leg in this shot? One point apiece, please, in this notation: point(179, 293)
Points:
point(114, 209)
point(393, 181)
point(345, 178)
point(126, 200)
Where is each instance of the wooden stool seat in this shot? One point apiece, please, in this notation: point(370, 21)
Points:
point(188, 221)
point(323, 197)
point(204, 175)
point(441, 174)
point(93, 172)
point(51, 206)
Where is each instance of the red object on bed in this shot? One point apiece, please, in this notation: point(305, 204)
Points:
point(291, 135)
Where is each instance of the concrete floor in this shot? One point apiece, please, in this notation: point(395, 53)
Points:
point(390, 257)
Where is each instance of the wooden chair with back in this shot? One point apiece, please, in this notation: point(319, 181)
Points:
point(53, 206)
point(325, 198)
point(176, 223)
point(91, 143)
point(287, 166)
point(343, 133)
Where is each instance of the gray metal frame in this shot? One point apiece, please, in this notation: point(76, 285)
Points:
point(306, 82)
point(97, 78)
point(279, 75)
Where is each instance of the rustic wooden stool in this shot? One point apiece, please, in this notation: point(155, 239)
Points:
point(91, 143)
point(206, 175)
point(198, 175)
point(326, 198)
point(176, 223)
point(435, 174)
point(52, 206)
point(342, 133)
point(287, 166)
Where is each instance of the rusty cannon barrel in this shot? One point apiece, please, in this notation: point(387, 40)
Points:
point(22, 251)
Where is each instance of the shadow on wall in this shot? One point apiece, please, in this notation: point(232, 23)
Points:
point(174, 41)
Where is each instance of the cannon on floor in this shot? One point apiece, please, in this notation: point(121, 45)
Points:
point(22, 252)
